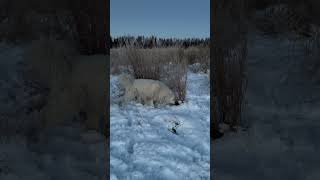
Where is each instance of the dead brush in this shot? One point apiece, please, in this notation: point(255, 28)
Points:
point(144, 62)
point(118, 61)
point(229, 62)
point(312, 55)
point(198, 55)
point(236, 84)
point(192, 54)
point(176, 73)
point(204, 53)
point(231, 82)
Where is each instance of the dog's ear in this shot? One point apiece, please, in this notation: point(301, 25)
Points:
point(126, 80)
point(155, 86)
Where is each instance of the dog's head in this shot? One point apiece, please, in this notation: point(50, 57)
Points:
point(126, 80)
point(173, 101)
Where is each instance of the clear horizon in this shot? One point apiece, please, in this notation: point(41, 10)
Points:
point(162, 19)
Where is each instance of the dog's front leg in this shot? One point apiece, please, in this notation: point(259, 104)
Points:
point(148, 101)
point(129, 95)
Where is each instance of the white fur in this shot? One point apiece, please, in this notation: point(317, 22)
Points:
point(146, 91)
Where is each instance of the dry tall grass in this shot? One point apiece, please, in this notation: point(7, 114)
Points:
point(197, 55)
point(229, 62)
point(176, 73)
point(311, 65)
point(231, 82)
point(118, 61)
point(145, 64)
point(200, 56)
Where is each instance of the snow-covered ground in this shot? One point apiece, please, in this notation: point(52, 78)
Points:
point(144, 146)
point(283, 112)
point(67, 152)
point(282, 142)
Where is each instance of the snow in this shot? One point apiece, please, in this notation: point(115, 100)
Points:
point(283, 114)
point(143, 145)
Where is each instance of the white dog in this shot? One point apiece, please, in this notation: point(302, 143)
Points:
point(146, 91)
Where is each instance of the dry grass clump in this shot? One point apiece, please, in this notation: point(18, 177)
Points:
point(199, 56)
point(229, 64)
point(311, 65)
point(145, 63)
point(118, 61)
point(230, 83)
point(175, 75)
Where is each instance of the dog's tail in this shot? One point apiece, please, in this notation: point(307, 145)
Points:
point(126, 80)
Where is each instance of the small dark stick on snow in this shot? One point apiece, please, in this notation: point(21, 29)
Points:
point(174, 131)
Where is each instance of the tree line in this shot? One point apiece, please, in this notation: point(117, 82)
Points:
point(152, 41)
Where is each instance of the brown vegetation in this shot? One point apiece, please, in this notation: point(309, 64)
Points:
point(229, 62)
point(169, 65)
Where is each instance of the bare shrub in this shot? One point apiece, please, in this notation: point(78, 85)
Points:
point(229, 64)
point(311, 64)
point(235, 84)
point(175, 73)
point(192, 55)
point(144, 62)
point(230, 83)
point(198, 58)
point(204, 53)
point(118, 61)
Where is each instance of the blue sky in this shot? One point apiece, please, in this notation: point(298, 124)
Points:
point(162, 18)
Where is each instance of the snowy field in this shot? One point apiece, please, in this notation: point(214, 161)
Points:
point(167, 143)
point(283, 113)
point(173, 142)
point(67, 152)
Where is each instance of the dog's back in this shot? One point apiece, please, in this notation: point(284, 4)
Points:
point(148, 91)
point(155, 90)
